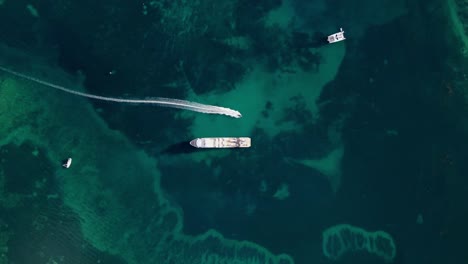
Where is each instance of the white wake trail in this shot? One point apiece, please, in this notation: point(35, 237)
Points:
point(166, 102)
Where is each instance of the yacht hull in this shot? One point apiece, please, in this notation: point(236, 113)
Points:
point(221, 142)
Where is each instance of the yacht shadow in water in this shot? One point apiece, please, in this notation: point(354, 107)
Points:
point(301, 40)
point(183, 147)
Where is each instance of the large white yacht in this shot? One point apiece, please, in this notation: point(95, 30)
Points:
point(221, 142)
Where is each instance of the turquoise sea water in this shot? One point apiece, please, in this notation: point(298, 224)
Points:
point(358, 148)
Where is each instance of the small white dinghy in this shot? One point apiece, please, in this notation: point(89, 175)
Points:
point(67, 163)
point(337, 37)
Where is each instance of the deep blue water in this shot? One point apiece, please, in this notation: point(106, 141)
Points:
point(403, 135)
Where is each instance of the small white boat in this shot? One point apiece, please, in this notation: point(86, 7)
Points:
point(221, 142)
point(337, 37)
point(67, 163)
